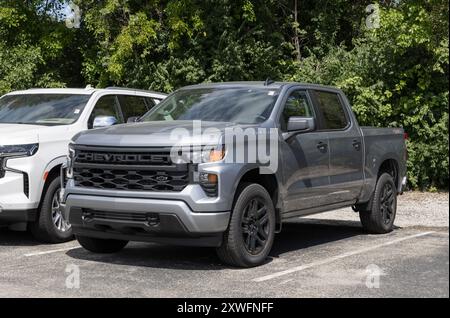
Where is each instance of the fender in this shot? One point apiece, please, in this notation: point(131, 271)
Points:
point(52, 164)
point(371, 174)
point(247, 168)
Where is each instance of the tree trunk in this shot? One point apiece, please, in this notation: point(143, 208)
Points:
point(296, 36)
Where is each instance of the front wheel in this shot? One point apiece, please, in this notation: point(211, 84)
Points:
point(251, 232)
point(51, 226)
point(101, 246)
point(380, 214)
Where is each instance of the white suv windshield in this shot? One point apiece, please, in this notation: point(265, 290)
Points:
point(42, 109)
point(238, 105)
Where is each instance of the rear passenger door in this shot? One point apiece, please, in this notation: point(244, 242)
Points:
point(345, 146)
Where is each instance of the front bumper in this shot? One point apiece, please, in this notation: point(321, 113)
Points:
point(15, 203)
point(187, 217)
point(138, 219)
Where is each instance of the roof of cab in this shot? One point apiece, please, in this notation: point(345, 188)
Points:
point(78, 91)
point(270, 85)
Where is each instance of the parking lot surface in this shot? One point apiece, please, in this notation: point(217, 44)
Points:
point(312, 257)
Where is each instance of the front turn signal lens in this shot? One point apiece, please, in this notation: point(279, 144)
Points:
point(212, 178)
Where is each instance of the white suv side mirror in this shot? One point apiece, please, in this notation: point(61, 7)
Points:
point(104, 121)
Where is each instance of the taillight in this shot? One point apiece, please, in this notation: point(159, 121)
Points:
point(406, 136)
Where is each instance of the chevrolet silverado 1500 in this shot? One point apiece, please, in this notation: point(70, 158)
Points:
point(124, 182)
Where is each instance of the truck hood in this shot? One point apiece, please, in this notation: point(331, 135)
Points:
point(156, 134)
point(17, 134)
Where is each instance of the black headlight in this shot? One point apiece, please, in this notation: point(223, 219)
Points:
point(18, 150)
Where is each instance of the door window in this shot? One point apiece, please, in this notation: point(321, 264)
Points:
point(297, 104)
point(332, 110)
point(135, 106)
point(106, 106)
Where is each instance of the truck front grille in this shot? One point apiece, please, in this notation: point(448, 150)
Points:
point(144, 180)
point(128, 170)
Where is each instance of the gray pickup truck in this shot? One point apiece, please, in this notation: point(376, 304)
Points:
point(137, 182)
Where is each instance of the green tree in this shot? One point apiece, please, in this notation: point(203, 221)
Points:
point(167, 44)
point(36, 48)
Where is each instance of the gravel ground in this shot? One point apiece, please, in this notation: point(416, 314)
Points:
point(415, 209)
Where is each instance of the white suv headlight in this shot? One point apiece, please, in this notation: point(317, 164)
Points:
point(18, 150)
point(15, 151)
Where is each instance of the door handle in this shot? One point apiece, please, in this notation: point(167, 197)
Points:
point(322, 146)
point(356, 144)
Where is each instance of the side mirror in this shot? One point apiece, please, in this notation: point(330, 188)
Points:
point(297, 125)
point(104, 121)
point(301, 124)
point(132, 119)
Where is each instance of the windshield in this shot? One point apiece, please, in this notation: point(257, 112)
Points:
point(237, 105)
point(42, 109)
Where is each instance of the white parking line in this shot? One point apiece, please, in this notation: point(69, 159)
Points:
point(52, 251)
point(338, 257)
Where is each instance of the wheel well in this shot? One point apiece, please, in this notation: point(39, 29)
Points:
point(270, 183)
point(390, 166)
point(52, 174)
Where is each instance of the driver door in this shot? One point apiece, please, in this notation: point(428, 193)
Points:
point(305, 159)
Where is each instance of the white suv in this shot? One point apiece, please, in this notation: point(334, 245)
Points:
point(36, 126)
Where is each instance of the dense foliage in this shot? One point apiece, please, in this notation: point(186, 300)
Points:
point(394, 75)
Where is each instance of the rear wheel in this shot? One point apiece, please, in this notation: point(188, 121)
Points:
point(101, 246)
point(380, 214)
point(251, 232)
point(51, 226)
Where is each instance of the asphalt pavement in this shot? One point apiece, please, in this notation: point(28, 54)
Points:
point(310, 258)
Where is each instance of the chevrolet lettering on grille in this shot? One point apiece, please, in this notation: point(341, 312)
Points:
point(123, 158)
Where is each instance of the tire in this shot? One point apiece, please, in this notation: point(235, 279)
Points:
point(379, 216)
point(250, 234)
point(101, 246)
point(51, 227)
